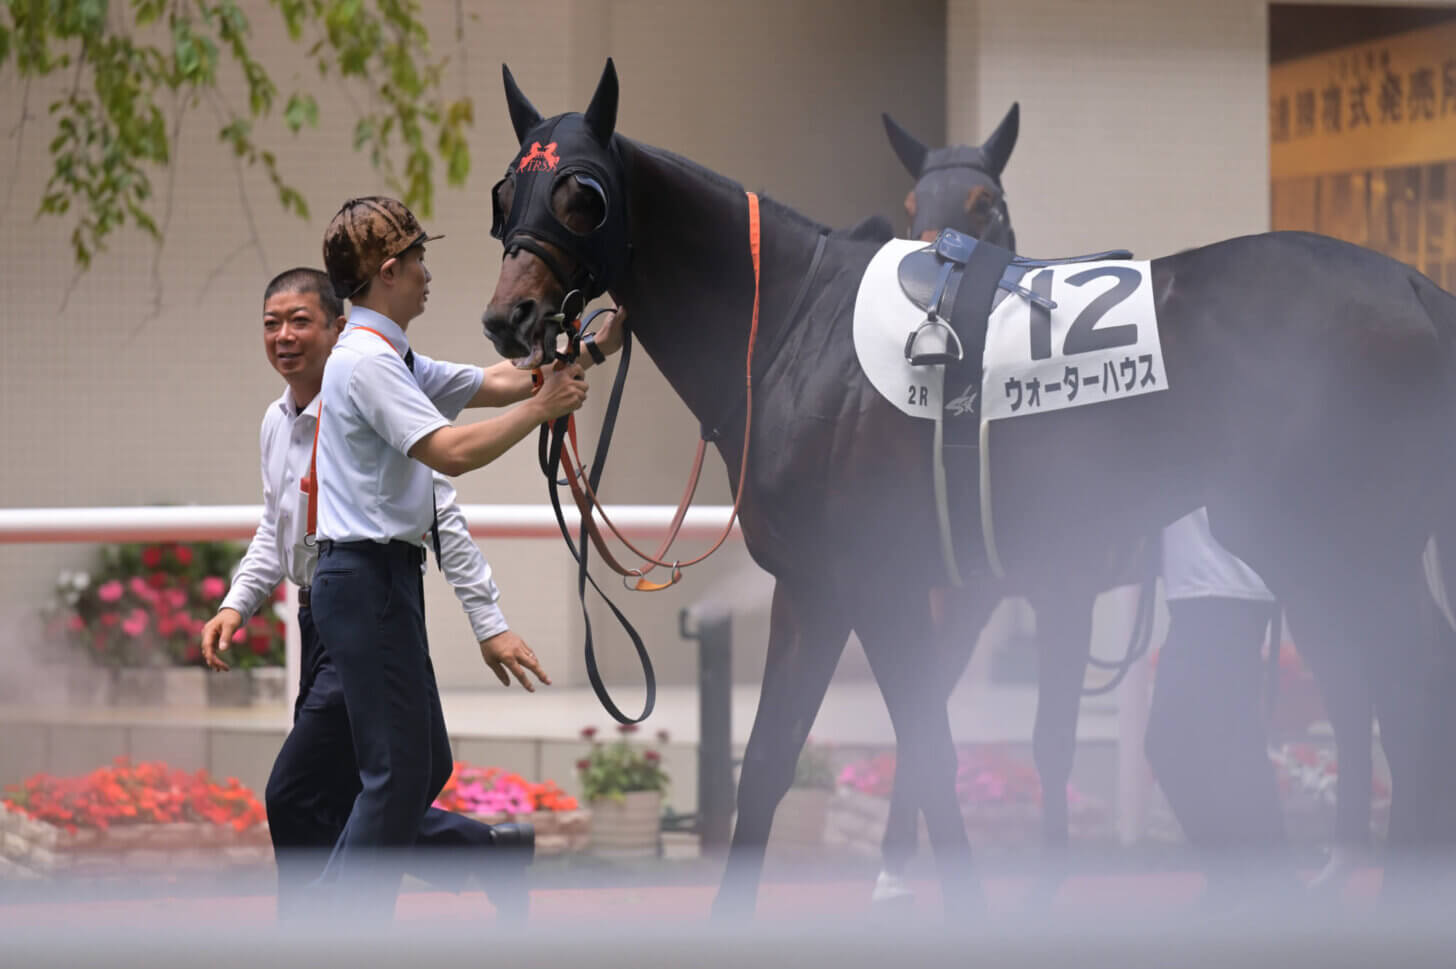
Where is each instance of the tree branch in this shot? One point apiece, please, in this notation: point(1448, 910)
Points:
point(17, 133)
point(166, 222)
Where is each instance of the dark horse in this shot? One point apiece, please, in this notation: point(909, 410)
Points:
point(1310, 391)
point(959, 187)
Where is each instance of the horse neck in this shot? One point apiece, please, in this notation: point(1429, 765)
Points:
point(689, 287)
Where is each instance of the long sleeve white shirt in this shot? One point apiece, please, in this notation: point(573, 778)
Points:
point(277, 550)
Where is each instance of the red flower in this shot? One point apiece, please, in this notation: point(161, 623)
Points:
point(626, 728)
point(260, 644)
point(151, 556)
point(280, 593)
point(588, 733)
point(157, 579)
point(651, 756)
point(193, 653)
point(182, 554)
point(109, 619)
point(583, 764)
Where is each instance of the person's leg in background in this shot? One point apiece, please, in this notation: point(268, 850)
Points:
point(1206, 740)
point(314, 780)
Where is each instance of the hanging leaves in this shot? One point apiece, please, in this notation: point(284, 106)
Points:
point(127, 58)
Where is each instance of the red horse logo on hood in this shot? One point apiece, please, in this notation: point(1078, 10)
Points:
point(539, 159)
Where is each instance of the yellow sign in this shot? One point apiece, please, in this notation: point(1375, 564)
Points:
point(1385, 103)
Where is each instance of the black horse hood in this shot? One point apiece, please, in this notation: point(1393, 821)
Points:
point(580, 145)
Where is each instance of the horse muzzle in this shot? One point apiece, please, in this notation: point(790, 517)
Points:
point(526, 335)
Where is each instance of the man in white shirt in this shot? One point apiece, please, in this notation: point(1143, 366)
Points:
point(314, 779)
point(384, 425)
point(1206, 741)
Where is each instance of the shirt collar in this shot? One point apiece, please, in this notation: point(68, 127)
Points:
point(285, 404)
point(387, 328)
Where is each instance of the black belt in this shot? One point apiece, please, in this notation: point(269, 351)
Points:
point(409, 551)
point(303, 595)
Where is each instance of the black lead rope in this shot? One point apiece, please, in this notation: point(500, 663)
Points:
point(552, 440)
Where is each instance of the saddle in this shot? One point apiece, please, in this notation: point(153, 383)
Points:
point(931, 278)
point(957, 281)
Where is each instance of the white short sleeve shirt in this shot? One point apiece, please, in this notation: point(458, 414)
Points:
point(1195, 566)
point(373, 411)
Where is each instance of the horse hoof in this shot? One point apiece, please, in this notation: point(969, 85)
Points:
point(1342, 863)
point(891, 891)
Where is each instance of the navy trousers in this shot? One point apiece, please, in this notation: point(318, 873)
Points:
point(369, 751)
point(1206, 741)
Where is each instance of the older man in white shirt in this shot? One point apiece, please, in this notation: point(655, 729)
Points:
point(315, 778)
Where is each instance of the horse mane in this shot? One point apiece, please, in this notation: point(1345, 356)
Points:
point(691, 169)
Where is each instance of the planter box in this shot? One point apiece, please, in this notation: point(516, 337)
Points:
point(629, 828)
point(557, 832)
point(231, 689)
point(175, 686)
point(268, 685)
point(800, 822)
point(33, 848)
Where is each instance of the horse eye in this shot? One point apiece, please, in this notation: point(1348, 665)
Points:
point(501, 197)
point(579, 203)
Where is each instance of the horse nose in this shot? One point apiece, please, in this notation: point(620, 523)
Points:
point(523, 314)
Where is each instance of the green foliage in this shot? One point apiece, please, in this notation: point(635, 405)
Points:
point(128, 58)
point(815, 768)
point(616, 769)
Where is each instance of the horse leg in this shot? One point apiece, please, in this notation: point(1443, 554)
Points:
point(898, 642)
point(807, 632)
point(1340, 676)
point(1064, 641)
point(958, 618)
point(1377, 616)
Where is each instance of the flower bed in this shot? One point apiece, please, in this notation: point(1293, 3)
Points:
point(999, 794)
point(1307, 775)
point(493, 795)
point(135, 620)
point(128, 818)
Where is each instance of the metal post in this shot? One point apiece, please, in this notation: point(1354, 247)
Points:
point(715, 727)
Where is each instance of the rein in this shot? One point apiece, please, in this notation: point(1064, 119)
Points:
point(558, 451)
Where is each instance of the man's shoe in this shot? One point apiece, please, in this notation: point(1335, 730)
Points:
point(513, 846)
point(519, 838)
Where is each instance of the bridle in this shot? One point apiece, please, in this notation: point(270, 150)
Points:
point(559, 453)
point(1000, 218)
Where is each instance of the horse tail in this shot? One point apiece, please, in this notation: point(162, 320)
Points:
point(1440, 309)
point(1438, 579)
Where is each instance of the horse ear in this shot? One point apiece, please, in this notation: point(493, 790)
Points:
point(997, 149)
point(907, 146)
point(524, 116)
point(601, 114)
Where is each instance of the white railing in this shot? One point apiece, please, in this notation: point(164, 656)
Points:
point(212, 522)
point(202, 523)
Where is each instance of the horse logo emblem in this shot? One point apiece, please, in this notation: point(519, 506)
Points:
point(539, 159)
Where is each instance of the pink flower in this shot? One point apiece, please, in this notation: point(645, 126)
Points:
point(175, 598)
point(588, 733)
point(141, 590)
point(110, 591)
point(75, 624)
point(213, 587)
point(135, 624)
point(240, 635)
